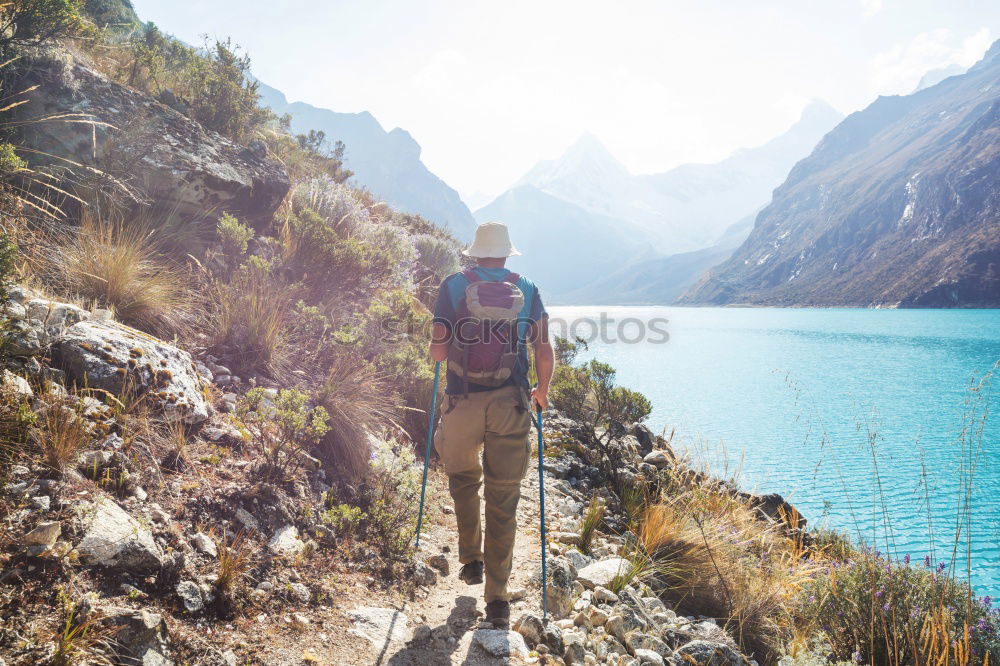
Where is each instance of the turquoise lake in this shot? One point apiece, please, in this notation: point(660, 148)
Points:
point(794, 401)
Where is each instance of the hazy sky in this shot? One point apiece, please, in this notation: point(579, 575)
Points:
point(489, 88)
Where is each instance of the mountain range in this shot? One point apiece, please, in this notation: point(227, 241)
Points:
point(899, 205)
point(600, 225)
point(385, 163)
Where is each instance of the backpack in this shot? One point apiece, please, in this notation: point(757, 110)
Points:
point(485, 338)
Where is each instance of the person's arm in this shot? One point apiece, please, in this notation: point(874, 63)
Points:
point(444, 316)
point(439, 342)
point(545, 361)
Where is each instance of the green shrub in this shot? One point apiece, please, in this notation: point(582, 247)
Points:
point(877, 610)
point(343, 519)
point(287, 427)
point(389, 500)
point(234, 236)
point(34, 22)
point(437, 258)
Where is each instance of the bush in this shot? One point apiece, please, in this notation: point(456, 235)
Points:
point(437, 258)
point(234, 236)
point(35, 22)
point(389, 500)
point(287, 427)
point(877, 610)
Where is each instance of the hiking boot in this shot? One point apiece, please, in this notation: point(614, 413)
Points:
point(472, 573)
point(498, 613)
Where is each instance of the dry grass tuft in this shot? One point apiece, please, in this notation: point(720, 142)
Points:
point(119, 267)
point(61, 432)
point(357, 402)
point(592, 520)
point(235, 560)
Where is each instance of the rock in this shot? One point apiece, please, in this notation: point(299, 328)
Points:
point(574, 649)
point(501, 642)
point(140, 636)
point(578, 559)
point(95, 460)
point(439, 562)
point(41, 502)
point(45, 534)
point(286, 541)
point(193, 172)
point(16, 384)
point(775, 508)
point(644, 437)
point(423, 574)
point(531, 627)
point(637, 641)
point(111, 356)
point(604, 595)
point(705, 653)
point(265, 586)
point(571, 538)
point(300, 592)
point(112, 538)
point(379, 625)
point(230, 659)
point(649, 657)
point(205, 544)
point(615, 625)
point(191, 595)
point(597, 617)
point(422, 633)
point(247, 519)
point(562, 576)
point(602, 572)
point(658, 459)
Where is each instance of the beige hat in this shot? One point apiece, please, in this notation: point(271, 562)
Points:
point(492, 241)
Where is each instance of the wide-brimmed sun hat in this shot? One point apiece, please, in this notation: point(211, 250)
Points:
point(492, 242)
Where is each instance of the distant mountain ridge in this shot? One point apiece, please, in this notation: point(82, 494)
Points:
point(386, 163)
point(899, 205)
point(587, 193)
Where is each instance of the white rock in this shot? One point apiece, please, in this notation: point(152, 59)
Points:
point(379, 625)
point(648, 657)
point(602, 572)
point(501, 642)
point(247, 519)
point(658, 459)
point(16, 384)
point(286, 541)
point(113, 538)
point(204, 543)
point(300, 592)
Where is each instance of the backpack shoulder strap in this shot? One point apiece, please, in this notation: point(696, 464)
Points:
point(471, 275)
point(512, 278)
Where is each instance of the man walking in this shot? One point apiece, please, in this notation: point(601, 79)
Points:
point(483, 322)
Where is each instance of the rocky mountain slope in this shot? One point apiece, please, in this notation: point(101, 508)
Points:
point(385, 163)
point(587, 193)
point(899, 205)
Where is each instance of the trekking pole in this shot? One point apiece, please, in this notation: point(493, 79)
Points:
point(541, 507)
point(431, 416)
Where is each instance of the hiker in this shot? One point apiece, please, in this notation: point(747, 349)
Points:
point(484, 320)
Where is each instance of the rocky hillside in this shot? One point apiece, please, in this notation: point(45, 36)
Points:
point(591, 207)
point(898, 206)
point(386, 163)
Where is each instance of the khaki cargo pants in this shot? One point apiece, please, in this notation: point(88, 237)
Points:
point(498, 422)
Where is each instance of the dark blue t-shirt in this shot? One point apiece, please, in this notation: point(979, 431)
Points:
point(451, 293)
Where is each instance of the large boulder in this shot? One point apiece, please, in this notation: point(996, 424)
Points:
point(116, 358)
point(705, 653)
point(172, 159)
point(112, 538)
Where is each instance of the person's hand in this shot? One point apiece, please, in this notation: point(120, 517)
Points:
point(539, 399)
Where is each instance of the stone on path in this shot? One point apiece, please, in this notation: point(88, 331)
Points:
point(648, 657)
point(114, 538)
point(706, 653)
point(602, 573)
point(379, 625)
point(286, 541)
point(501, 642)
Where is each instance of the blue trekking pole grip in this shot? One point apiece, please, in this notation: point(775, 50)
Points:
point(541, 513)
point(431, 417)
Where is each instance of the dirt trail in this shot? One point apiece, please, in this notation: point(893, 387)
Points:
point(452, 608)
